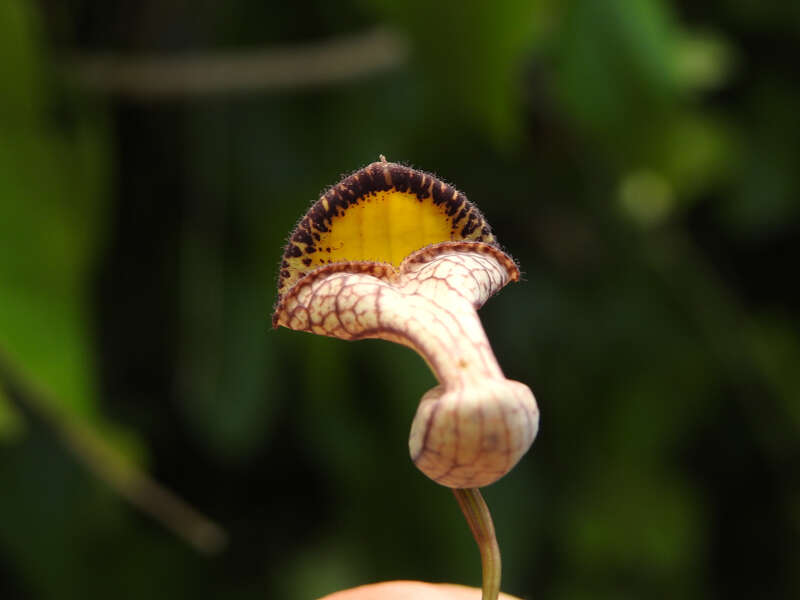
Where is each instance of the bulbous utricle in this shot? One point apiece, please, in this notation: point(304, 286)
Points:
point(470, 436)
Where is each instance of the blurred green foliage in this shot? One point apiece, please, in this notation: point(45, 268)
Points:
point(639, 158)
point(49, 222)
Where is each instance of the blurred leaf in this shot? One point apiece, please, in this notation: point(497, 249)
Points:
point(21, 100)
point(703, 61)
point(52, 181)
point(472, 55)
point(615, 62)
point(49, 233)
point(660, 518)
point(646, 197)
point(696, 151)
point(12, 424)
point(776, 347)
point(767, 184)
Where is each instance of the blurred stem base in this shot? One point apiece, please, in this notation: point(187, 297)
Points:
point(480, 522)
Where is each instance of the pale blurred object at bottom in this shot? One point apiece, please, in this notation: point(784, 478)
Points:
point(411, 590)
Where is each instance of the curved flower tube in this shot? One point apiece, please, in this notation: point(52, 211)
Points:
point(475, 426)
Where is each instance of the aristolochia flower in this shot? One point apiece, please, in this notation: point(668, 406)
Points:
point(396, 254)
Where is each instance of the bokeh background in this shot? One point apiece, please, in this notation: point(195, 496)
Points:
point(641, 160)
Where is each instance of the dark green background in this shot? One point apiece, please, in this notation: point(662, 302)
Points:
point(641, 160)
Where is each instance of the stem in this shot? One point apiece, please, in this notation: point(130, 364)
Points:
point(106, 463)
point(480, 522)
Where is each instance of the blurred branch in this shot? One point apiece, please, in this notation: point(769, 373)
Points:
point(289, 67)
point(108, 464)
